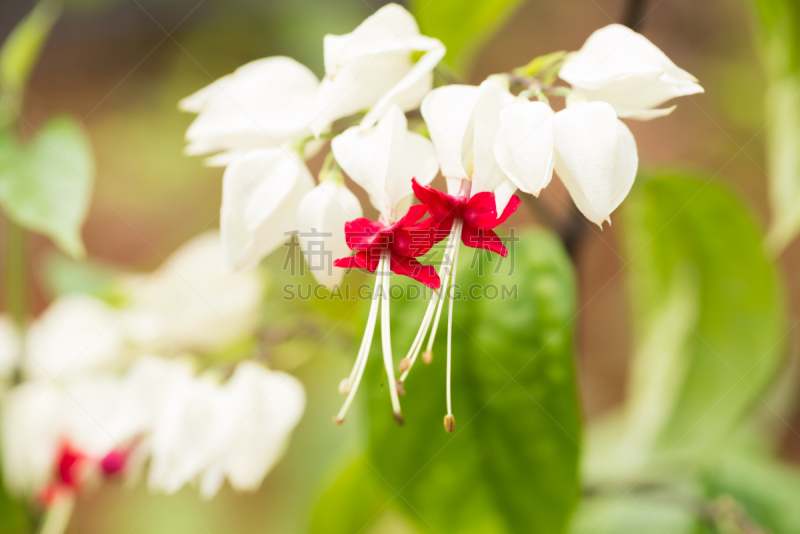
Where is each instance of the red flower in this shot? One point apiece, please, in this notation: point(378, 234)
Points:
point(405, 240)
point(478, 212)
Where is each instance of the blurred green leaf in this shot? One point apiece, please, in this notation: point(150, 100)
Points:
point(47, 186)
point(511, 464)
point(780, 39)
point(63, 275)
point(21, 49)
point(14, 516)
point(462, 25)
point(766, 488)
point(697, 269)
point(351, 503)
point(656, 513)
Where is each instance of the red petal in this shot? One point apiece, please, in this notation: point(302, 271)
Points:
point(510, 208)
point(362, 234)
point(481, 210)
point(362, 260)
point(415, 213)
point(483, 238)
point(69, 464)
point(441, 205)
point(416, 240)
point(410, 267)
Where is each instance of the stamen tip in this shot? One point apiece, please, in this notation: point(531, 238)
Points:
point(399, 418)
point(449, 423)
point(345, 386)
point(427, 356)
point(338, 420)
point(404, 364)
point(400, 389)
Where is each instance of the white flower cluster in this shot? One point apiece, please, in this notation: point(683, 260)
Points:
point(504, 143)
point(263, 121)
point(93, 385)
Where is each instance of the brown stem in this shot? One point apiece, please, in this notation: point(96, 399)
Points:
point(634, 13)
point(572, 232)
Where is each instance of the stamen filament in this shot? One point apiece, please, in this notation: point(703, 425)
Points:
point(453, 240)
point(386, 333)
point(458, 224)
point(414, 351)
point(366, 343)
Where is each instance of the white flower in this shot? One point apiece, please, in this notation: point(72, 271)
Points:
point(206, 431)
point(322, 215)
point(384, 158)
point(621, 67)
point(40, 417)
point(596, 158)
point(267, 103)
point(383, 62)
point(75, 335)
point(189, 303)
point(463, 122)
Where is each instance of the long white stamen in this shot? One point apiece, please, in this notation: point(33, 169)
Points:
point(386, 336)
point(452, 241)
point(366, 343)
point(450, 327)
point(414, 351)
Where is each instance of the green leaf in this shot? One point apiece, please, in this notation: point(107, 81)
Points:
point(47, 186)
point(511, 464)
point(767, 489)
point(352, 503)
point(64, 275)
point(15, 518)
point(780, 40)
point(708, 311)
point(634, 514)
point(22, 47)
point(462, 25)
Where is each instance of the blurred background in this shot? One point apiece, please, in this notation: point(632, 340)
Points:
point(121, 66)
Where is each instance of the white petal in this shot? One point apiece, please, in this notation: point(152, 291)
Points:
point(386, 30)
point(383, 159)
point(627, 165)
point(503, 193)
point(448, 113)
point(260, 195)
point(615, 52)
point(372, 67)
point(634, 97)
point(624, 68)
point(262, 407)
point(411, 89)
point(76, 334)
point(188, 429)
point(596, 159)
point(357, 86)
point(321, 218)
point(265, 103)
point(487, 175)
point(524, 145)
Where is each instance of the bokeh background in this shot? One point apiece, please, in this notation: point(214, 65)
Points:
point(121, 66)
